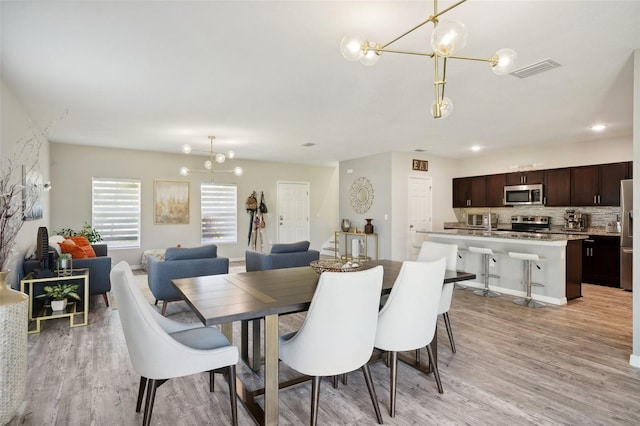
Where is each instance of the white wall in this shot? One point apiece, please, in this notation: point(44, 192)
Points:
point(15, 128)
point(75, 165)
point(388, 173)
point(549, 156)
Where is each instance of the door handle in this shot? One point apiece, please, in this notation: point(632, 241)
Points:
point(627, 250)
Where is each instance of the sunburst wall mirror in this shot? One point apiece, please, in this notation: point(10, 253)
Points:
point(361, 195)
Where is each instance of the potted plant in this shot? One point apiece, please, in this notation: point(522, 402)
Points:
point(87, 231)
point(58, 295)
point(64, 262)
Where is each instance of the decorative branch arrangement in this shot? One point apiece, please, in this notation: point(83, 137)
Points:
point(12, 202)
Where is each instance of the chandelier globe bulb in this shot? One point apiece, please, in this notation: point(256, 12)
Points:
point(445, 110)
point(220, 158)
point(237, 171)
point(448, 38)
point(184, 171)
point(351, 47)
point(371, 57)
point(186, 148)
point(505, 61)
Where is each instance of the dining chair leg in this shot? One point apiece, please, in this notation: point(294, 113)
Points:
point(233, 395)
point(164, 307)
point(141, 389)
point(212, 381)
point(393, 379)
point(344, 378)
point(447, 324)
point(148, 406)
point(372, 391)
point(106, 299)
point(417, 356)
point(434, 366)
point(334, 381)
point(315, 398)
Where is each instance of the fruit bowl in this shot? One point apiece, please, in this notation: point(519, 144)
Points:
point(330, 265)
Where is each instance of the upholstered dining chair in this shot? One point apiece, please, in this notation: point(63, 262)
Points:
point(431, 251)
point(338, 332)
point(161, 349)
point(414, 300)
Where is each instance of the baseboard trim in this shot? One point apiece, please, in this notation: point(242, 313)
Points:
point(634, 360)
point(518, 293)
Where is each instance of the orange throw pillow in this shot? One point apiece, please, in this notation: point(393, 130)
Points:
point(84, 244)
point(76, 252)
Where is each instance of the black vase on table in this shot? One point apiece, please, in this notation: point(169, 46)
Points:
point(368, 228)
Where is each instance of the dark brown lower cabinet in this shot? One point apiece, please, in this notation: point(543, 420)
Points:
point(574, 269)
point(601, 260)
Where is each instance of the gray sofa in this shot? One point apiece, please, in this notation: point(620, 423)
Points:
point(99, 269)
point(182, 263)
point(289, 255)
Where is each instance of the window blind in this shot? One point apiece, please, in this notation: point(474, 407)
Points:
point(116, 211)
point(219, 213)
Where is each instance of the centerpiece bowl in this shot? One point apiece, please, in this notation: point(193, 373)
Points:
point(331, 265)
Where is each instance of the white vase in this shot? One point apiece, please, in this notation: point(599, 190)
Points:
point(13, 349)
point(58, 305)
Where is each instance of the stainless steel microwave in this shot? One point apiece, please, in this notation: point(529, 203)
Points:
point(518, 195)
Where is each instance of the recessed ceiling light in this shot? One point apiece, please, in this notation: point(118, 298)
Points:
point(598, 127)
point(419, 150)
point(308, 144)
point(476, 148)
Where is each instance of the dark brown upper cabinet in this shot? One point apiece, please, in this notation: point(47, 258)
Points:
point(495, 190)
point(469, 191)
point(525, 178)
point(557, 187)
point(597, 185)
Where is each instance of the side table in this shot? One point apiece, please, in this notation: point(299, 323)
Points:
point(40, 311)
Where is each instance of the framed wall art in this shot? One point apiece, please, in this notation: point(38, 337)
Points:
point(31, 194)
point(170, 202)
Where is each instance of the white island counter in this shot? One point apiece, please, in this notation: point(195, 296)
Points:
point(560, 272)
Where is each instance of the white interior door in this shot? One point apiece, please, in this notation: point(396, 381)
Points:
point(420, 209)
point(293, 212)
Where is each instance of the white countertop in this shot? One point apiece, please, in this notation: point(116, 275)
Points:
point(509, 235)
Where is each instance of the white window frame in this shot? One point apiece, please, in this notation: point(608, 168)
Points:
point(116, 213)
point(219, 205)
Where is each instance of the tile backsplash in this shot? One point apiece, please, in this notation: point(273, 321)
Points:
point(598, 216)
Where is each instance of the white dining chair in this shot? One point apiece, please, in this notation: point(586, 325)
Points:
point(408, 320)
point(161, 349)
point(338, 332)
point(431, 251)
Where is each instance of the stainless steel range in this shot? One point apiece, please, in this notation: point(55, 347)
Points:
point(530, 223)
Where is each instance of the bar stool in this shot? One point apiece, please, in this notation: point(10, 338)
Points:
point(530, 260)
point(487, 256)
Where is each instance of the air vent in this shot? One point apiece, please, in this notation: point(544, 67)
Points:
point(536, 68)
point(308, 144)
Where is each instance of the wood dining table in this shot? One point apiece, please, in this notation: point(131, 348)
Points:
point(224, 299)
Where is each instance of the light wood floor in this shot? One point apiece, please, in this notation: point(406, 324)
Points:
point(514, 366)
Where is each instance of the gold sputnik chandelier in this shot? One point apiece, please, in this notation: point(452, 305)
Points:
point(214, 157)
point(446, 39)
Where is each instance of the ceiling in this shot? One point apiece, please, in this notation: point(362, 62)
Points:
point(267, 77)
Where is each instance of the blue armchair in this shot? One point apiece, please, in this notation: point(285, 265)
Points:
point(182, 263)
point(282, 256)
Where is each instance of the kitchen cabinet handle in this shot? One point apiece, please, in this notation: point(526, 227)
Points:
point(599, 200)
point(544, 200)
point(588, 241)
point(594, 199)
point(627, 250)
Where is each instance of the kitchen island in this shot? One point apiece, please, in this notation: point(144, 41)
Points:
point(560, 272)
